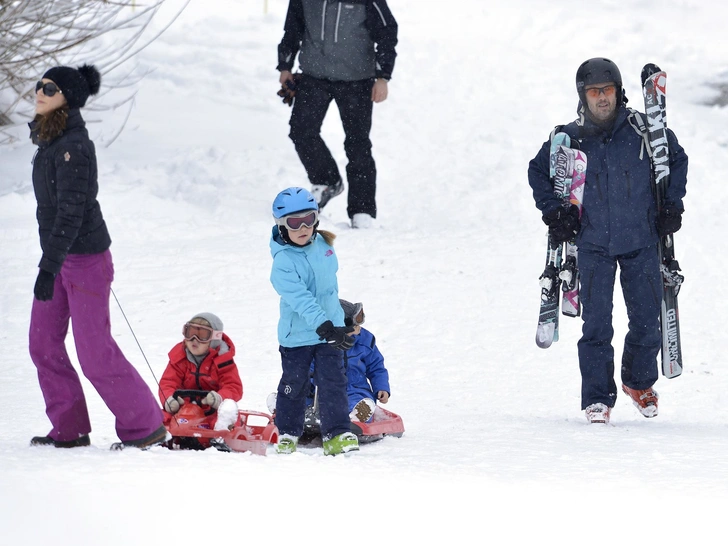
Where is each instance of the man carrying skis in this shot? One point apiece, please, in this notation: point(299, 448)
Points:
point(619, 226)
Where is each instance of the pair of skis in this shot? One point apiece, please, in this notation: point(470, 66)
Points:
point(568, 172)
point(653, 90)
point(560, 279)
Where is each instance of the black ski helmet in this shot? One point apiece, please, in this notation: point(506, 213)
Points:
point(598, 70)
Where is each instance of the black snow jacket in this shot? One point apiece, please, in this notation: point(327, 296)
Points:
point(337, 39)
point(65, 184)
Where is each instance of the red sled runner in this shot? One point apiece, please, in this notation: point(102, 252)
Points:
point(190, 428)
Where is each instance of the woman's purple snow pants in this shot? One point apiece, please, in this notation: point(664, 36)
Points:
point(81, 293)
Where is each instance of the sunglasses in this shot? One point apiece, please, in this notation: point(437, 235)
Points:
point(49, 89)
point(608, 90)
point(294, 222)
point(203, 334)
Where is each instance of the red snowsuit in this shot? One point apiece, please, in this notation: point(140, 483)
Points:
point(217, 372)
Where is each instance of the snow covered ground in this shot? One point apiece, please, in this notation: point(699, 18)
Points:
point(496, 449)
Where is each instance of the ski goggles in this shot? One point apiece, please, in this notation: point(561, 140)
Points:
point(359, 318)
point(296, 221)
point(594, 92)
point(49, 88)
point(203, 334)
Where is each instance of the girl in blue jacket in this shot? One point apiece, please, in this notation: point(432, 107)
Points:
point(311, 325)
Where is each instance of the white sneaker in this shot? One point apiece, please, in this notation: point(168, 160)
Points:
point(361, 220)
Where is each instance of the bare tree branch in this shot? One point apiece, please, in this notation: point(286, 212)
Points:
point(36, 35)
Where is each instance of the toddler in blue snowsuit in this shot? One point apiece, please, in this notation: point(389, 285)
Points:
point(367, 378)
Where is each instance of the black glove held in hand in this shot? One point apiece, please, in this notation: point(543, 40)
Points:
point(44, 285)
point(288, 90)
point(563, 223)
point(669, 221)
point(336, 335)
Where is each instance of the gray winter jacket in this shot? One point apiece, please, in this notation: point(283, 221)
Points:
point(339, 41)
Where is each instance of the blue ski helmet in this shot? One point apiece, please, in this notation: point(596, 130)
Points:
point(293, 200)
point(598, 70)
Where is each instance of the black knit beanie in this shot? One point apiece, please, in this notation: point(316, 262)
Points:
point(76, 84)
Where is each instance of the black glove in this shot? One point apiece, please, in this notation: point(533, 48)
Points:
point(288, 90)
point(336, 335)
point(563, 223)
point(44, 285)
point(669, 221)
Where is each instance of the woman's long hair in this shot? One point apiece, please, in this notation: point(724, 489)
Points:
point(51, 125)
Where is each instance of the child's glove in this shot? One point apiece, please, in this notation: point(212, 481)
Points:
point(336, 335)
point(288, 90)
point(212, 399)
point(172, 405)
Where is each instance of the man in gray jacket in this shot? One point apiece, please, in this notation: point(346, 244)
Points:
point(347, 52)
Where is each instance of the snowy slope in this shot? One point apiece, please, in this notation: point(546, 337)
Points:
point(496, 450)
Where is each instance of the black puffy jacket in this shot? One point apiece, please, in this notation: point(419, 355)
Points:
point(66, 184)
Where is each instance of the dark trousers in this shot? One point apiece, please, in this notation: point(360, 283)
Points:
point(642, 288)
point(81, 296)
point(329, 376)
point(354, 100)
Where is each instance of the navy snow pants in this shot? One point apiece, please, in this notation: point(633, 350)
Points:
point(354, 100)
point(294, 387)
point(642, 288)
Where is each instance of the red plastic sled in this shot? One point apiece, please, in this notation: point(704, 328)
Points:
point(383, 423)
point(190, 429)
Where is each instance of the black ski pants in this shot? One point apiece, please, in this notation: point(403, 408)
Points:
point(354, 101)
point(641, 282)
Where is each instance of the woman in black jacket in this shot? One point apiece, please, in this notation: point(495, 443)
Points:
point(74, 280)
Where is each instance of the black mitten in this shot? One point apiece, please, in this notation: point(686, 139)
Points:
point(563, 223)
point(669, 221)
point(336, 335)
point(44, 285)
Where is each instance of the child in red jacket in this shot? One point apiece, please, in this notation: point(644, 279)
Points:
point(203, 361)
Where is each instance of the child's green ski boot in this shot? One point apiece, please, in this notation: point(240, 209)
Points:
point(343, 443)
point(286, 444)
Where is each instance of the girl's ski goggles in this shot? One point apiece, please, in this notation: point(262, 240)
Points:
point(49, 88)
point(203, 334)
point(296, 221)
